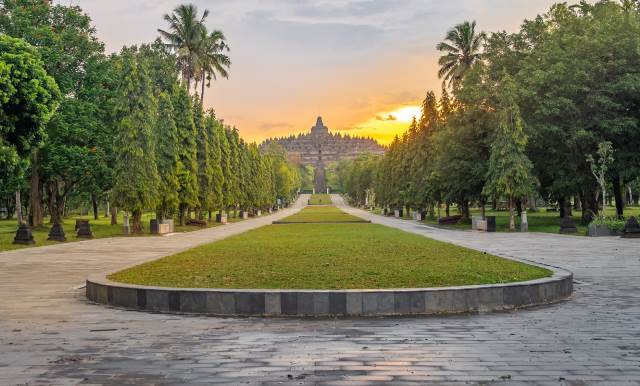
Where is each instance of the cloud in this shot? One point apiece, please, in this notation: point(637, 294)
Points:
point(389, 117)
point(276, 125)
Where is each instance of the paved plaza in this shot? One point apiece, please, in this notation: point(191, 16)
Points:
point(51, 335)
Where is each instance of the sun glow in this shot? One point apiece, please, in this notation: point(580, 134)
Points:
point(405, 114)
point(387, 124)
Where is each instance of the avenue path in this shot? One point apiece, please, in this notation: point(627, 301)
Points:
point(49, 333)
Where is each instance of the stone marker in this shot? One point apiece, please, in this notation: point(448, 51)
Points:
point(568, 225)
point(631, 229)
point(221, 218)
point(491, 224)
point(57, 233)
point(84, 230)
point(170, 225)
point(418, 216)
point(244, 214)
point(24, 235)
point(524, 223)
point(154, 226)
point(125, 224)
point(398, 213)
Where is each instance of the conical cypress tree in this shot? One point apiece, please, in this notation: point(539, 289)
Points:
point(135, 172)
point(187, 151)
point(167, 158)
point(214, 131)
point(205, 172)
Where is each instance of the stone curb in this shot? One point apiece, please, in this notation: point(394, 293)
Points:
point(332, 303)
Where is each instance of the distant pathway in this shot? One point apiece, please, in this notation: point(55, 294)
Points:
point(49, 334)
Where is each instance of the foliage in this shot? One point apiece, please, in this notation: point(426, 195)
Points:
point(28, 95)
point(462, 50)
point(135, 170)
point(615, 225)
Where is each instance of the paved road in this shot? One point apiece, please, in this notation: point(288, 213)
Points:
point(49, 334)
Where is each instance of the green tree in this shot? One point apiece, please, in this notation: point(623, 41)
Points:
point(213, 61)
point(462, 49)
point(510, 171)
point(185, 37)
point(135, 171)
point(167, 150)
point(28, 95)
point(187, 150)
point(205, 168)
point(215, 137)
point(67, 43)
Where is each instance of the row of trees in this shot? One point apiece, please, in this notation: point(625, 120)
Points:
point(520, 114)
point(122, 129)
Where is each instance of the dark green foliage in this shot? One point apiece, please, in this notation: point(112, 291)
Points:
point(28, 95)
point(135, 170)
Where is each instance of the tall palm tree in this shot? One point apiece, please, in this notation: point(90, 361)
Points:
point(212, 62)
point(462, 47)
point(184, 37)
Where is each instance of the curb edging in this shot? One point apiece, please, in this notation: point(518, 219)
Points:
point(332, 303)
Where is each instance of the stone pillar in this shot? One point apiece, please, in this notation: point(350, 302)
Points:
point(524, 223)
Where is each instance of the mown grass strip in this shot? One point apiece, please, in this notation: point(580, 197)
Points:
point(328, 256)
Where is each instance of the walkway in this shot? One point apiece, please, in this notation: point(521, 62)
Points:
point(49, 334)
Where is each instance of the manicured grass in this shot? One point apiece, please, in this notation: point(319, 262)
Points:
point(328, 256)
point(540, 221)
point(101, 228)
point(316, 214)
point(320, 199)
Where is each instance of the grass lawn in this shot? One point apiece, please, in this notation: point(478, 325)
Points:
point(101, 228)
point(328, 256)
point(318, 214)
point(540, 221)
point(320, 199)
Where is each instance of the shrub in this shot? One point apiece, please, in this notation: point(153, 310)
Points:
point(613, 224)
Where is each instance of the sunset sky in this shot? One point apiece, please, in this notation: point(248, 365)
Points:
point(353, 62)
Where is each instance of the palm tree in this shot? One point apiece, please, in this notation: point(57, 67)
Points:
point(212, 62)
point(184, 37)
point(462, 50)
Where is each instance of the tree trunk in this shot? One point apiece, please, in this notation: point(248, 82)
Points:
point(494, 204)
point(114, 215)
point(18, 207)
point(561, 207)
point(482, 209)
point(617, 193)
point(137, 222)
point(512, 216)
point(519, 206)
point(37, 217)
point(94, 204)
point(182, 209)
point(533, 207)
point(106, 208)
point(446, 209)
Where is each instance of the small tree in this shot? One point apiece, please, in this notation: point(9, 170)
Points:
point(599, 169)
point(28, 98)
point(166, 136)
point(135, 171)
point(510, 171)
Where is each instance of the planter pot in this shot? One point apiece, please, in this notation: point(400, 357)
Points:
point(599, 231)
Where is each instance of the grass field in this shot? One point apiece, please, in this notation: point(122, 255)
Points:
point(318, 214)
point(327, 256)
point(320, 199)
point(101, 228)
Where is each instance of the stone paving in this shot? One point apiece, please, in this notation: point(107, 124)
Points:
point(50, 335)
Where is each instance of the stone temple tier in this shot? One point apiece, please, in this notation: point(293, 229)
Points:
point(320, 147)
